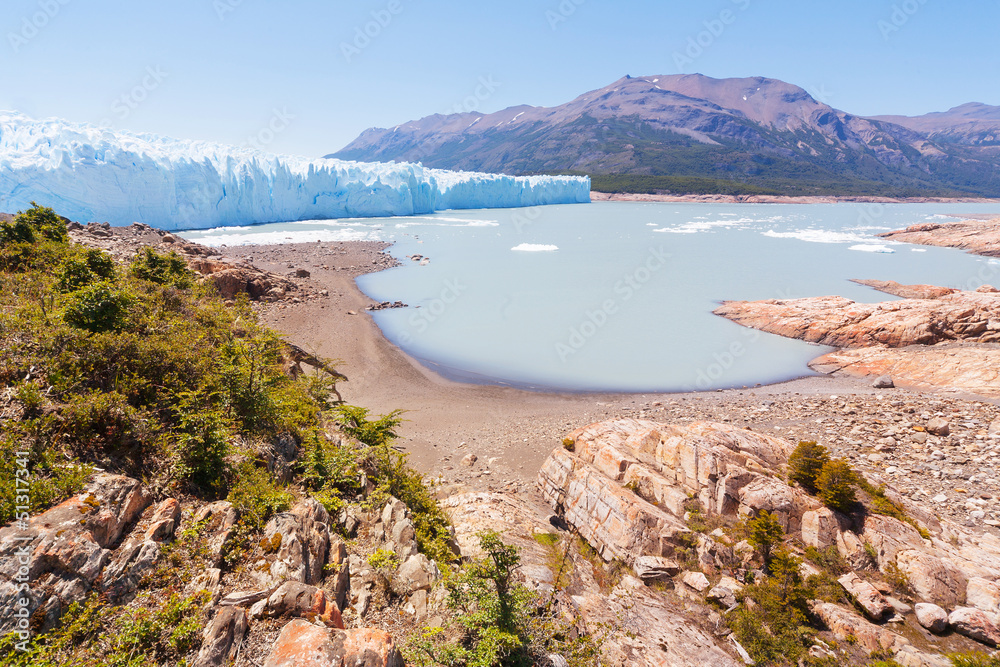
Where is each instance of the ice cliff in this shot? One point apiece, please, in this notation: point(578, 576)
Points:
point(92, 174)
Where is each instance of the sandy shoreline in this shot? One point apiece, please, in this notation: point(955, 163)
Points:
point(784, 199)
point(510, 431)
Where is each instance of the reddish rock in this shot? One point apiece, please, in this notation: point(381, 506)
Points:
point(966, 367)
point(981, 237)
point(840, 322)
point(975, 624)
point(874, 604)
point(302, 644)
point(222, 637)
point(907, 291)
point(296, 599)
point(164, 521)
point(932, 578)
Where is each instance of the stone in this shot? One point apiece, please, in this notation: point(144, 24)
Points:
point(696, 580)
point(133, 561)
point(302, 537)
point(418, 604)
point(243, 598)
point(651, 568)
point(302, 644)
point(418, 573)
point(983, 594)
point(164, 521)
point(931, 616)
point(209, 580)
point(975, 624)
point(221, 637)
point(932, 578)
point(723, 595)
point(820, 528)
point(293, 598)
point(884, 382)
point(469, 460)
point(218, 520)
point(874, 604)
point(844, 624)
point(938, 426)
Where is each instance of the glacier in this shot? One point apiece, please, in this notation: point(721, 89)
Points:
point(93, 174)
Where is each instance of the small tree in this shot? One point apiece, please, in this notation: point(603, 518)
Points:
point(805, 464)
point(836, 485)
point(765, 534)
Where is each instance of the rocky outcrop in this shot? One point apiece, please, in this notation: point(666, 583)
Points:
point(964, 367)
point(980, 237)
point(221, 637)
point(840, 322)
point(907, 291)
point(233, 279)
point(302, 644)
point(975, 624)
point(620, 487)
point(62, 552)
point(297, 543)
point(869, 598)
point(296, 599)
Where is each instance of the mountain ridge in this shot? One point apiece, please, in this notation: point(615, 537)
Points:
point(755, 135)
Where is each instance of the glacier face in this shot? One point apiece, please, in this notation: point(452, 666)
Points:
point(92, 174)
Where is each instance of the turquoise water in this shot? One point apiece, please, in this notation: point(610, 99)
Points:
point(619, 296)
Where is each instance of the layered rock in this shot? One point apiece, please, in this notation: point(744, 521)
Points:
point(964, 367)
point(840, 322)
point(981, 237)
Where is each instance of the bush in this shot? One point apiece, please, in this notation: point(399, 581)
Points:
point(774, 629)
point(82, 269)
point(836, 486)
point(354, 421)
point(977, 659)
point(36, 224)
point(765, 534)
point(98, 307)
point(202, 441)
point(170, 269)
point(256, 497)
point(805, 464)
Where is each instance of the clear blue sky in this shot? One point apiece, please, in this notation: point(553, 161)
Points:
point(220, 69)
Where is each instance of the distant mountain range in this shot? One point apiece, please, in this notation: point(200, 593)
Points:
point(695, 134)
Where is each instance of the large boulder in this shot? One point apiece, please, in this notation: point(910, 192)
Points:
point(983, 594)
point(975, 624)
point(874, 604)
point(302, 644)
point(933, 579)
point(296, 599)
point(931, 616)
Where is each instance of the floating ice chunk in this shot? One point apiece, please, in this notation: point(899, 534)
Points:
point(872, 247)
point(535, 247)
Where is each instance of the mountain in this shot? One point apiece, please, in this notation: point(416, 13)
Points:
point(694, 133)
point(973, 124)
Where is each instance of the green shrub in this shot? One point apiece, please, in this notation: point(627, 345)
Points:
point(202, 441)
point(828, 559)
point(354, 421)
point(98, 307)
point(256, 497)
point(805, 464)
point(169, 269)
point(765, 535)
point(836, 485)
point(38, 223)
point(976, 659)
point(84, 268)
point(774, 629)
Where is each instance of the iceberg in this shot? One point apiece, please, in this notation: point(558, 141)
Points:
point(92, 174)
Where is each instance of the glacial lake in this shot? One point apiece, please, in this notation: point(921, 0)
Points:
point(619, 296)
